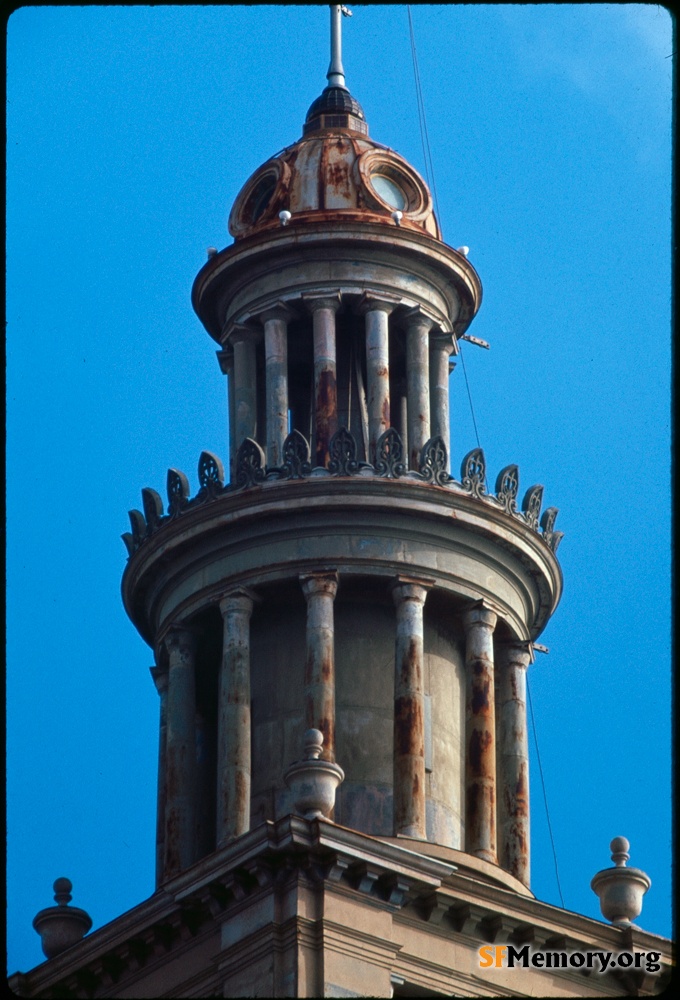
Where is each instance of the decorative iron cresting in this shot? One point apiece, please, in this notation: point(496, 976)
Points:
point(251, 471)
point(389, 462)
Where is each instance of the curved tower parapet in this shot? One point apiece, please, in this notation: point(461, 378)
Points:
point(338, 577)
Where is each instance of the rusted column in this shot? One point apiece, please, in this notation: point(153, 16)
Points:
point(226, 362)
point(180, 805)
point(409, 709)
point(160, 679)
point(276, 380)
point(377, 313)
point(513, 758)
point(325, 373)
point(418, 382)
point(403, 415)
point(244, 340)
point(320, 590)
point(205, 788)
point(233, 719)
point(480, 758)
point(440, 351)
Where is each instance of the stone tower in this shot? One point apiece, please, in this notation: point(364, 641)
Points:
point(342, 579)
point(339, 589)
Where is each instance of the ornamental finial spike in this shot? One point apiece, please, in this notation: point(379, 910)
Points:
point(336, 73)
point(61, 926)
point(313, 782)
point(620, 889)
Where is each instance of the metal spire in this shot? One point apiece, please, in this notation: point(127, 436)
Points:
point(336, 72)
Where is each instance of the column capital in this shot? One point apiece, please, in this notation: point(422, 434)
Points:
point(225, 359)
point(404, 588)
point(418, 319)
point(181, 638)
point(377, 302)
point(279, 310)
point(480, 613)
point(440, 341)
point(159, 675)
point(322, 300)
point(239, 333)
point(323, 581)
point(239, 599)
point(517, 652)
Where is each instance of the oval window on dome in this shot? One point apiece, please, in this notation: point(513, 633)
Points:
point(261, 196)
point(389, 191)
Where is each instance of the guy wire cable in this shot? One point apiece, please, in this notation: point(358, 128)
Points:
point(429, 173)
point(545, 797)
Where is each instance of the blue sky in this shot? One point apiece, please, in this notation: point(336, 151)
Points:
point(130, 132)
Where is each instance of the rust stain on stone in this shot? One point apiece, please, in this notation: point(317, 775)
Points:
point(241, 794)
point(327, 666)
point(408, 726)
point(480, 752)
point(479, 701)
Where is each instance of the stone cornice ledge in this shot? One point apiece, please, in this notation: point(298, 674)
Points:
point(397, 879)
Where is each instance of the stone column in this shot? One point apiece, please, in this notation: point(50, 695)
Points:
point(513, 758)
point(276, 380)
point(244, 340)
point(409, 709)
point(205, 788)
point(418, 383)
point(440, 351)
point(320, 590)
point(325, 404)
point(180, 804)
point(480, 759)
point(226, 362)
point(233, 719)
point(160, 679)
point(377, 313)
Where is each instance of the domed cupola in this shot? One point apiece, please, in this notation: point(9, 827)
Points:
point(334, 172)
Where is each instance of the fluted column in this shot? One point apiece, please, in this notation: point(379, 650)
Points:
point(160, 679)
point(244, 341)
point(513, 758)
point(418, 383)
point(480, 759)
point(226, 362)
point(320, 590)
point(276, 380)
point(409, 709)
point(233, 719)
point(325, 404)
point(440, 352)
point(180, 804)
point(376, 312)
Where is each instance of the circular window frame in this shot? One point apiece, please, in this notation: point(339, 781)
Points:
point(241, 219)
point(417, 197)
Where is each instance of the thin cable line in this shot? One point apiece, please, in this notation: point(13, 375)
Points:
point(429, 176)
point(421, 111)
point(418, 96)
point(545, 797)
point(472, 409)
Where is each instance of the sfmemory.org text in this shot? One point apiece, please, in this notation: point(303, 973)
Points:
point(497, 956)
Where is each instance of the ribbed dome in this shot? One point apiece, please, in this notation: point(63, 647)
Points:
point(335, 100)
point(335, 108)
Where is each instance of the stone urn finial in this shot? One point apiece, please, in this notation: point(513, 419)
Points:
point(620, 889)
point(61, 926)
point(313, 782)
